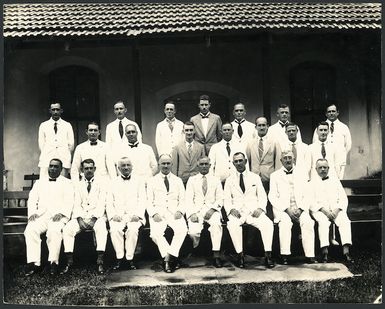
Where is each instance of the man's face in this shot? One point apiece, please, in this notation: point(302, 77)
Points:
point(88, 170)
point(239, 112)
point(291, 132)
point(227, 131)
point(322, 132)
point(204, 166)
point(283, 114)
point(125, 167)
point(239, 161)
point(204, 106)
point(322, 168)
point(120, 110)
point(93, 132)
point(189, 131)
point(287, 160)
point(165, 165)
point(332, 113)
point(169, 110)
point(132, 134)
point(261, 126)
point(55, 111)
point(54, 169)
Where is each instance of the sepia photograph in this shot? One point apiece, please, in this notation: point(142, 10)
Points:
point(178, 153)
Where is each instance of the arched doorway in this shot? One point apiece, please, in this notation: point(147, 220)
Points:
point(77, 89)
point(312, 88)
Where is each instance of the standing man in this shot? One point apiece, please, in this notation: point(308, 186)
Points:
point(244, 130)
point(245, 202)
point(339, 135)
point(126, 204)
point(204, 200)
point(50, 204)
point(94, 149)
point(207, 125)
point(221, 154)
point(169, 132)
point(88, 214)
point(322, 149)
point(288, 197)
point(142, 156)
point(186, 154)
point(115, 129)
point(166, 207)
point(56, 140)
point(329, 206)
point(298, 148)
point(277, 130)
point(263, 152)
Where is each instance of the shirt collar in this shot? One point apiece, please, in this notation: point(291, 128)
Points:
point(91, 180)
point(238, 122)
point(207, 115)
point(57, 121)
point(170, 120)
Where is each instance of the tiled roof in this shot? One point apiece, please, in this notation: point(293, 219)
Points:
point(132, 19)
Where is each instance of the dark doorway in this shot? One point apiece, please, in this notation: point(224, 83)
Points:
point(77, 89)
point(312, 88)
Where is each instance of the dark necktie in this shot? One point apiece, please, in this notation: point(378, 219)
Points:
point(282, 124)
point(327, 177)
point(240, 130)
point(166, 183)
point(260, 148)
point(294, 150)
point(89, 187)
point(52, 179)
point(55, 127)
point(133, 145)
point(93, 143)
point(241, 183)
point(205, 116)
point(323, 151)
point(228, 148)
point(204, 184)
point(332, 127)
point(120, 128)
point(289, 172)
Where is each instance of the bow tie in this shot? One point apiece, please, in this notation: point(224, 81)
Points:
point(126, 178)
point(93, 143)
point(327, 177)
point(204, 116)
point(52, 179)
point(289, 172)
point(133, 145)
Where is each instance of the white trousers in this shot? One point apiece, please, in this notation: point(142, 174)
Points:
point(53, 231)
point(342, 222)
point(215, 229)
point(72, 228)
point(307, 232)
point(157, 230)
point(117, 237)
point(263, 223)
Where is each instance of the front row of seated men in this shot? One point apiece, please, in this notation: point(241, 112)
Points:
point(62, 210)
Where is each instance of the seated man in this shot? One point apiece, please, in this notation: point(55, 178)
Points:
point(126, 205)
point(165, 193)
point(50, 205)
point(329, 205)
point(88, 214)
point(204, 200)
point(287, 196)
point(245, 202)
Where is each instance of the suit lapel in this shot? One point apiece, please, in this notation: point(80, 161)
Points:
point(199, 126)
point(210, 124)
point(266, 148)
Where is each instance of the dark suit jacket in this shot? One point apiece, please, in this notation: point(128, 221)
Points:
point(214, 130)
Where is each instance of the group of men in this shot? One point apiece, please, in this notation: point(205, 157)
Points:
point(204, 167)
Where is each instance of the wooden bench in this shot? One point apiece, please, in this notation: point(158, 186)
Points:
point(33, 177)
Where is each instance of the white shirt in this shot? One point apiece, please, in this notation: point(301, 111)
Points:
point(205, 123)
point(248, 132)
point(165, 139)
point(57, 145)
point(113, 138)
point(278, 133)
point(301, 149)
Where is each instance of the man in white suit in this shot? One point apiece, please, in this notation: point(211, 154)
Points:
point(56, 140)
point(329, 206)
point(204, 200)
point(88, 214)
point(339, 135)
point(50, 204)
point(221, 154)
point(115, 130)
point(245, 202)
point(207, 125)
point(244, 130)
point(288, 189)
point(126, 205)
point(169, 132)
point(166, 207)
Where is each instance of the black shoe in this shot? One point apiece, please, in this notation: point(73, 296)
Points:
point(348, 258)
point(53, 269)
point(131, 265)
point(167, 267)
point(66, 269)
point(310, 260)
point(118, 264)
point(325, 258)
point(217, 262)
point(31, 269)
point(100, 269)
point(241, 260)
point(269, 263)
point(177, 264)
point(285, 260)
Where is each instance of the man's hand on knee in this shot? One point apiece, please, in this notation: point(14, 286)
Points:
point(57, 217)
point(117, 218)
point(235, 213)
point(134, 218)
point(257, 213)
point(157, 218)
point(178, 215)
point(33, 217)
point(209, 213)
point(83, 226)
point(335, 212)
point(194, 218)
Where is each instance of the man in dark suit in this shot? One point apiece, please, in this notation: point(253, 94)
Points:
point(207, 125)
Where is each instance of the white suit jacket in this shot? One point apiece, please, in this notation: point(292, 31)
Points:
point(57, 145)
point(278, 133)
point(196, 201)
point(166, 140)
point(92, 204)
point(48, 198)
point(248, 129)
point(253, 198)
point(302, 150)
point(113, 138)
point(162, 202)
point(127, 198)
